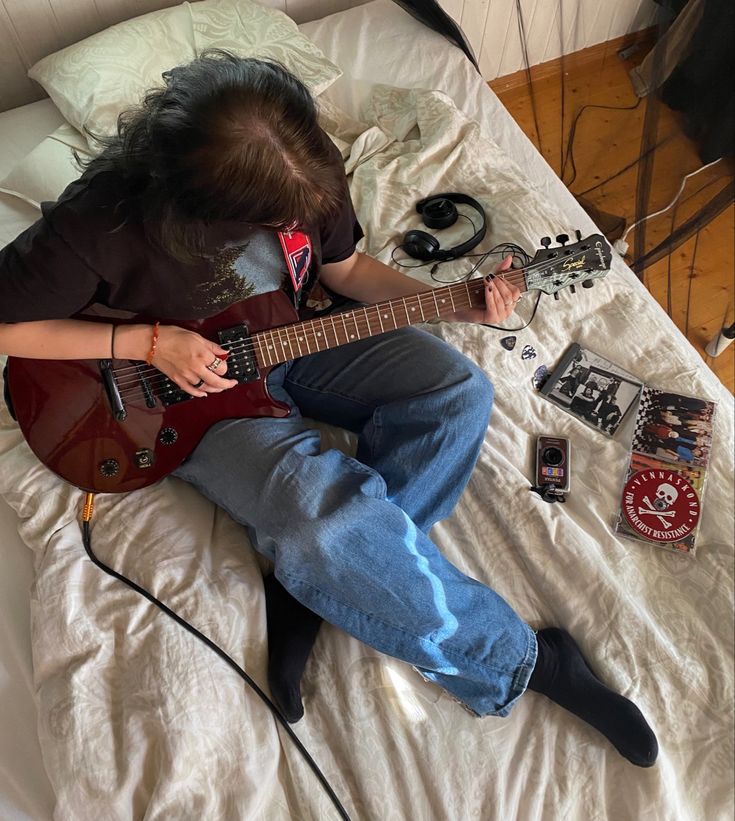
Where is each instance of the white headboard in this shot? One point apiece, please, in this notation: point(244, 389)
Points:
point(32, 29)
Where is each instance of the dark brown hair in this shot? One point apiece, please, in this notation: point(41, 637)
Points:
point(226, 139)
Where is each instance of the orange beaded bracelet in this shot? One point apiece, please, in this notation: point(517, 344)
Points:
point(154, 343)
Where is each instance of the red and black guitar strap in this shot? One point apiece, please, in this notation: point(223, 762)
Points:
point(298, 254)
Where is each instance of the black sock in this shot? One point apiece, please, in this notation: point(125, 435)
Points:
point(562, 674)
point(292, 630)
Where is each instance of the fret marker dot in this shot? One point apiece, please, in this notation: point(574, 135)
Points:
point(385, 316)
point(319, 333)
point(352, 336)
point(413, 309)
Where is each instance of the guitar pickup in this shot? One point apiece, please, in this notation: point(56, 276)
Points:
point(242, 364)
point(171, 394)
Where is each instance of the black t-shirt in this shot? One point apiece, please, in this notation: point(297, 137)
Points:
point(89, 251)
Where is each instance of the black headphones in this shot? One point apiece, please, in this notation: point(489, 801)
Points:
point(439, 211)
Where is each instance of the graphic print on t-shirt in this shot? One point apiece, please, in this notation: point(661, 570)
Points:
point(243, 269)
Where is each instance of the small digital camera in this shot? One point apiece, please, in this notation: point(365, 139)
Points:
point(553, 463)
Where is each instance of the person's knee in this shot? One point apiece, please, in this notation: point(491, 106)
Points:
point(475, 393)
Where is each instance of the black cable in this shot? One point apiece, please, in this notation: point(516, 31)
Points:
point(428, 262)
point(502, 250)
point(527, 67)
point(87, 541)
point(523, 327)
point(569, 158)
point(723, 199)
point(689, 284)
point(625, 168)
point(669, 303)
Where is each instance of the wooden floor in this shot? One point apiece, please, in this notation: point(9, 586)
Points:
point(696, 283)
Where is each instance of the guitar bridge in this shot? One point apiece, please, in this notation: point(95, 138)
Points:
point(242, 364)
point(112, 390)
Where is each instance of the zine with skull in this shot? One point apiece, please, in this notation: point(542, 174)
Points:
point(662, 497)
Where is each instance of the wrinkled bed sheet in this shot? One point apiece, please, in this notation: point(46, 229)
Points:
point(138, 720)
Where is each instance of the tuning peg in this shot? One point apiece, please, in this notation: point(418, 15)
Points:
point(546, 241)
point(578, 234)
point(588, 283)
point(556, 295)
point(571, 288)
point(562, 239)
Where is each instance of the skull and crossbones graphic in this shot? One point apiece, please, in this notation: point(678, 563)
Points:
point(665, 497)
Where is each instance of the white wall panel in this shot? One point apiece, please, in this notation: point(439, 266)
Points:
point(552, 27)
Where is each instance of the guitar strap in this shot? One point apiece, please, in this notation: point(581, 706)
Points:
point(298, 253)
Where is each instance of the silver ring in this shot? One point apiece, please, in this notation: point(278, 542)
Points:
point(214, 364)
point(198, 384)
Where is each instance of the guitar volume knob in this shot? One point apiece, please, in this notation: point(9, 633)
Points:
point(168, 436)
point(109, 467)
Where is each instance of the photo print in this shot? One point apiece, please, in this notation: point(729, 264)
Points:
point(674, 427)
point(593, 389)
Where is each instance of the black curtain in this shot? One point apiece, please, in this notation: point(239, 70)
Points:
point(701, 87)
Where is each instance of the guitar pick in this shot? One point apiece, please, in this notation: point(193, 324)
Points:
point(540, 375)
point(508, 342)
point(528, 352)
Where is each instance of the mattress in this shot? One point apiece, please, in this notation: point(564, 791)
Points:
point(657, 626)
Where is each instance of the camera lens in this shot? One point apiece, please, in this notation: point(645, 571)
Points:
point(552, 456)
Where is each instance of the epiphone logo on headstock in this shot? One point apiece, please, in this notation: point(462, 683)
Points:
point(600, 254)
point(573, 264)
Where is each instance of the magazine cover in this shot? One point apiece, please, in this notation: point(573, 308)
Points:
point(591, 388)
point(662, 496)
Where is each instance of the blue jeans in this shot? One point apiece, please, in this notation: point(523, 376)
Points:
point(348, 537)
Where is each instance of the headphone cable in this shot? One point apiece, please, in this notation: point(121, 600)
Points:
point(87, 541)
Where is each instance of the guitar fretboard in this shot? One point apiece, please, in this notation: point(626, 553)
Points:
point(302, 338)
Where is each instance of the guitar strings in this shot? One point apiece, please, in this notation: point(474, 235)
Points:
point(515, 277)
point(363, 319)
point(135, 370)
point(134, 377)
point(412, 301)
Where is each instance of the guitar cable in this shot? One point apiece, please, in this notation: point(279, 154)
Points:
point(87, 513)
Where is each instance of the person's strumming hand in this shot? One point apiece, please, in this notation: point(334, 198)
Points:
point(190, 361)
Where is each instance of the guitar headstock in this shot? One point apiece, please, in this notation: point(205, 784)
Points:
point(568, 264)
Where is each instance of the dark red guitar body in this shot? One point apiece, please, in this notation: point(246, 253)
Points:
point(65, 414)
point(79, 428)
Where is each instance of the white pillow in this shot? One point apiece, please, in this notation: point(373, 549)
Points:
point(44, 173)
point(378, 43)
point(250, 30)
point(91, 82)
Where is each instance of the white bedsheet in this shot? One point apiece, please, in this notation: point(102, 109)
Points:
point(658, 626)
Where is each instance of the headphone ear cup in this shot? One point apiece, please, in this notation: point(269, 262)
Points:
point(438, 212)
point(420, 245)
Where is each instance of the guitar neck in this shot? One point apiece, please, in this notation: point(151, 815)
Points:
point(291, 341)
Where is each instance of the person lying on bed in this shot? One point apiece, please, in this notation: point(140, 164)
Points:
point(179, 217)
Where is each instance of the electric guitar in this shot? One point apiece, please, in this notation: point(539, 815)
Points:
point(112, 426)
